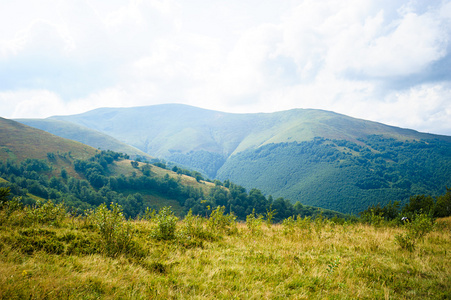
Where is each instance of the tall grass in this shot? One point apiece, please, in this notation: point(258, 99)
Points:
point(218, 258)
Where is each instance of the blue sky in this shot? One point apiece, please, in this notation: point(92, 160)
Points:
point(386, 61)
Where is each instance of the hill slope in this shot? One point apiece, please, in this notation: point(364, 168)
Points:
point(37, 165)
point(83, 135)
point(40, 165)
point(20, 142)
point(317, 157)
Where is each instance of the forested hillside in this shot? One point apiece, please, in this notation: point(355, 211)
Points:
point(343, 175)
point(86, 179)
point(312, 156)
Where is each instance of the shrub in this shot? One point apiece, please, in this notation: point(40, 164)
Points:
point(421, 225)
point(319, 224)
point(288, 225)
point(149, 214)
point(193, 227)
point(8, 207)
point(269, 216)
point(405, 241)
point(220, 222)
point(46, 213)
point(304, 223)
point(115, 231)
point(166, 225)
point(254, 222)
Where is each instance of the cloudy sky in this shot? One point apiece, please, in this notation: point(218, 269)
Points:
point(382, 60)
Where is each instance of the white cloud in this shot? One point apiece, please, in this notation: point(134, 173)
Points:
point(30, 103)
point(348, 56)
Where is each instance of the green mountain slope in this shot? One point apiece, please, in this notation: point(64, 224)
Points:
point(37, 166)
point(32, 160)
point(83, 135)
point(20, 142)
point(342, 175)
point(312, 156)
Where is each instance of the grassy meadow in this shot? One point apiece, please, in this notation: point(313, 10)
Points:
point(47, 254)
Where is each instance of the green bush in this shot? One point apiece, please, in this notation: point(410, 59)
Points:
point(166, 224)
point(405, 241)
point(116, 232)
point(288, 225)
point(221, 223)
point(254, 223)
point(193, 228)
point(8, 209)
point(304, 223)
point(269, 215)
point(421, 225)
point(46, 213)
point(319, 224)
point(8, 206)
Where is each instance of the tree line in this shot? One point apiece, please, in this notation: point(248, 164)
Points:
point(100, 186)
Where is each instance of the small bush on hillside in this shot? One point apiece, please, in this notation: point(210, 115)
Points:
point(192, 232)
point(166, 223)
point(193, 227)
point(405, 241)
point(304, 223)
point(46, 213)
point(9, 206)
point(220, 222)
point(4, 195)
point(319, 224)
point(289, 225)
point(149, 214)
point(421, 225)
point(269, 216)
point(377, 220)
point(116, 232)
point(254, 222)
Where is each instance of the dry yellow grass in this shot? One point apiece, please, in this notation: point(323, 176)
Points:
point(314, 261)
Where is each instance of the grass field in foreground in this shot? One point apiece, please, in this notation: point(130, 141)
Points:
point(308, 259)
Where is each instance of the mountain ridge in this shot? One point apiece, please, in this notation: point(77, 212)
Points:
point(39, 166)
point(165, 129)
point(332, 156)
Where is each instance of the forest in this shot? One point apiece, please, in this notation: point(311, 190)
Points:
point(97, 186)
point(342, 175)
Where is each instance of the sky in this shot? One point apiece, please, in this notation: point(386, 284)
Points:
point(382, 60)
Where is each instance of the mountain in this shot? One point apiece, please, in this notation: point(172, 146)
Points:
point(32, 160)
point(37, 165)
point(84, 135)
point(317, 157)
